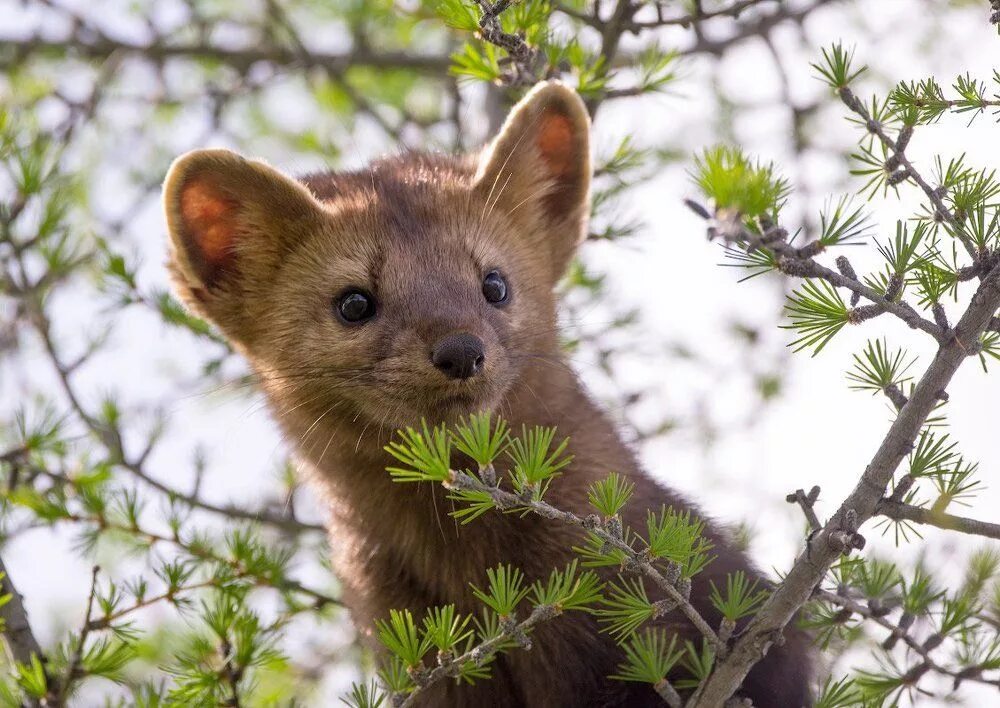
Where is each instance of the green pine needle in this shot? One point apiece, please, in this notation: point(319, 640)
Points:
point(871, 165)
point(835, 68)
point(32, 678)
point(742, 597)
point(598, 554)
point(957, 613)
point(919, 592)
point(979, 227)
point(919, 102)
point(481, 437)
point(534, 464)
point(568, 590)
point(394, 675)
point(364, 695)
point(733, 181)
point(625, 608)
point(876, 369)
point(840, 225)
point(816, 313)
point(877, 578)
point(956, 486)
point(649, 657)
point(400, 636)
point(990, 342)
point(933, 283)
point(901, 253)
point(842, 693)
point(426, 454)
point(477, 502)
point(505, 590)
point(610, 495)
point(933, 455)
point(444, 629)
point(476, 61)
point(458, 14)
point(697, 662)
point(677, 537)
point(756, 262)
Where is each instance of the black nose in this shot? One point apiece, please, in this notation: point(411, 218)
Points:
point(459, 356)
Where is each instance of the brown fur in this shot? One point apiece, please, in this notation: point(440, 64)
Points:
point(419, 232)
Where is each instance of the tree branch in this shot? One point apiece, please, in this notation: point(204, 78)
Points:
point(759, 27)
point(112, 440)
point(896, 632)
point(240, 58)
point(481, 652)
point(919, 515)
point(17, 633)
point(799, 261)
point(897, 150)
point(811, 565)
point(506, 500)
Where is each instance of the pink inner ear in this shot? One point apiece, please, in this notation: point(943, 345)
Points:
point(555, 143)
point(209, 218)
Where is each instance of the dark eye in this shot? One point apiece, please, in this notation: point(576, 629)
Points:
point(495, 288)
point(355, 306)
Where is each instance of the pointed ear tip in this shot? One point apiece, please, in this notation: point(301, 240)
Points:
point(202, 157)
point(187, 166)
point(554, 86)
point(554, 92)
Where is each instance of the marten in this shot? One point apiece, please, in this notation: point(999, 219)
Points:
point(422, 288)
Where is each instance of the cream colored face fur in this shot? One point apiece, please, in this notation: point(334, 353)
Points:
point(266, 257)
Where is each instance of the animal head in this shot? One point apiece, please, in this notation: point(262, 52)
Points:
point(416, 288)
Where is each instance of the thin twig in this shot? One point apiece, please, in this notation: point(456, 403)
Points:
point(898, 153)
point(900, 511)
point(922, 649)
point(480, 653)
point(799, 261)
point(75, 668)
point(507, 500)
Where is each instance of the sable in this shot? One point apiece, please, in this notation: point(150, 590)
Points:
point(422, 288)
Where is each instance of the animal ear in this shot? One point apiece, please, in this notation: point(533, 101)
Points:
point(231, 220)
point(543, 152)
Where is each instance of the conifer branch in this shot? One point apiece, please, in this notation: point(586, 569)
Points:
point(800, 262)
point(196, 548)
point(522, 55)
point(757, 27)
point(200, 550)
point(639, 561)
point(111, 437)
point(87, 46)
point(812, 564)
point(923, 649)
point(511, 630)
point(897, 151)
point(895, 509)
point(733, 10)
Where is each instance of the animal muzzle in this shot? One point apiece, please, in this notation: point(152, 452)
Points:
point(459, 356)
